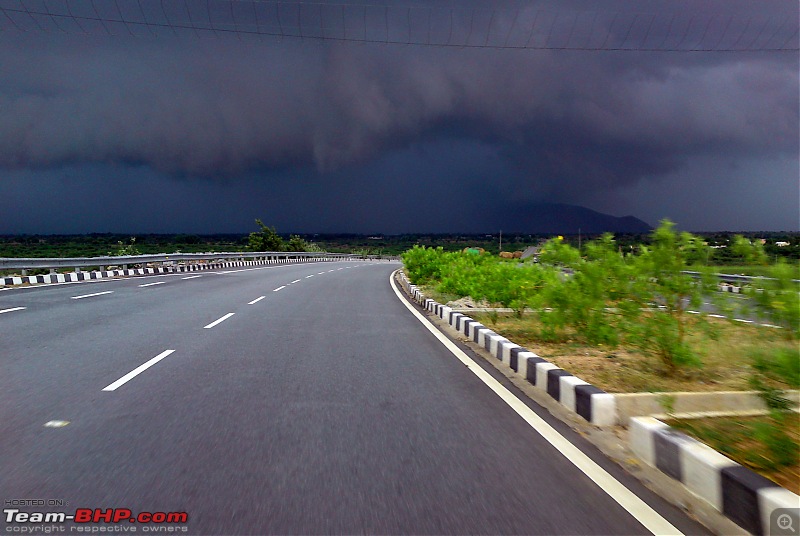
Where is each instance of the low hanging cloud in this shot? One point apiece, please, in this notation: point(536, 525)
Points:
point(220, 108)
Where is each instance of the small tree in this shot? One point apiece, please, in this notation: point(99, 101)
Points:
point(747, 251)
point(296, 244)
point(556, 252)
point(661, 294)
point(267, 239)
point(125, 250)
point(777, 298)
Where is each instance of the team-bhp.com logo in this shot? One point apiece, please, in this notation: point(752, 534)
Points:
point(95, 516)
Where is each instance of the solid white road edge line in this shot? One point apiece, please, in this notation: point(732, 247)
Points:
point(219, 320)
point(12, 310)
point(635, 506)
point(138, 370)
point(151, 284)
point(90, 295)
point(256, 300)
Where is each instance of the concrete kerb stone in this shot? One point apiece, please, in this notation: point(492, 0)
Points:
point(466, 322)
point(504, 352)
point(528, 367)
point(554, 382)
point(740, 492)
point(742, 495)
point(601, 408)
point(494, 343)
point(641, 432)
point(455, 319)
point(667, 443)
point(475, 331)
point(771, 499)
point(542, 370)
point(481, 334)
point(568, 385)
point(701, 471)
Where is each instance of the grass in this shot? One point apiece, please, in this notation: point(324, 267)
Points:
point(727, 361)
point(768, 446)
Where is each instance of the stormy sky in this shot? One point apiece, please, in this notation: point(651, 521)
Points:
point(186, 116)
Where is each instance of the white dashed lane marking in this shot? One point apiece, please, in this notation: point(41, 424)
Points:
point(91, 295)
point(12, 310)
point(56, 424)
point(279, 288)
point(191, 277)
point(256, 300)
point(151, 284)
point(219, 320)
point(138, 370)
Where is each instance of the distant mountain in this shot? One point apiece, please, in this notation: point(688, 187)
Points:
point(558, 218)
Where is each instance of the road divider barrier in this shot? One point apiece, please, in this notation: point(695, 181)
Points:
point(169, 264)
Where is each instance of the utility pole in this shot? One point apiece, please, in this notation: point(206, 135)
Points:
point(501, 240)
point(579, 240)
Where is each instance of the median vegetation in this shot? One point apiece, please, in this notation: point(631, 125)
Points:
point(641, 299)
point(631, 319)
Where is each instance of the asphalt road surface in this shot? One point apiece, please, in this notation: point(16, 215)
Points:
point(302, 399)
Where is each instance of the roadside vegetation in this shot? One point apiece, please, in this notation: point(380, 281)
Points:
point(639, 300)
point(768, 444)
point(268, 239)
point(728, 361)
point(755, 442)
point(629, 319)
point(97, 244)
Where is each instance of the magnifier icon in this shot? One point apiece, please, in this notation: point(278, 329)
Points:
point(785, 522)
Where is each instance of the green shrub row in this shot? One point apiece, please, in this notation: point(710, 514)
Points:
point(609, 297)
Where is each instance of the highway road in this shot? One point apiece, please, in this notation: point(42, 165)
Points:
point(301, 399)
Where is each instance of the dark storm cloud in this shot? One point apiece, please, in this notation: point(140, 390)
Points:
point(563, 121)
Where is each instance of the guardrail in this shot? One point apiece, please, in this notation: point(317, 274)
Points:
point(76, 263)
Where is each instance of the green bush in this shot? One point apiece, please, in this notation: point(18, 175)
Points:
point(606, 297)
point(782, 364)
point(777, 298)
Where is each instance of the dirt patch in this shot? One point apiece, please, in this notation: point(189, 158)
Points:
point(727, 361)
point(468, 302)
